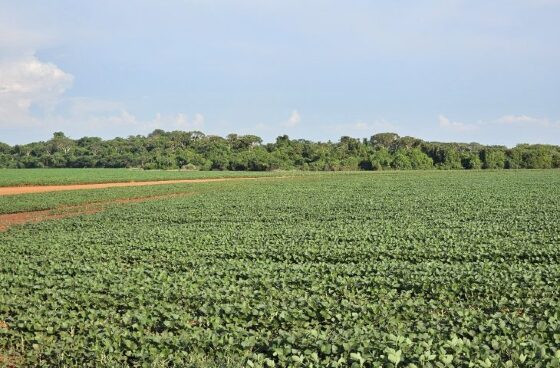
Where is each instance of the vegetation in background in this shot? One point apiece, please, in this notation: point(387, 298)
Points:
point(400, 269)
point(197, 151)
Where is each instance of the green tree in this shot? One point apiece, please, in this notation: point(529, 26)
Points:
point(5, 148)
point(381, 159)
point(60, 143)
point(448, 158)
point(419, 160)
point(471, 160)
point(514, 158)
point(178, 149)
point(556, 159)
point(385, 140)
point(537, 157)
point(401, 161)
point(493, 158)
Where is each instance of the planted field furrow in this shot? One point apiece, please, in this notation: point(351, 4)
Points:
point(17, 177)
point(18, 190)
point(438, 269)
point(13, 219)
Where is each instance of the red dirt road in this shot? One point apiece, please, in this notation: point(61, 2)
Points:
point(5, 191)
point(11, 219)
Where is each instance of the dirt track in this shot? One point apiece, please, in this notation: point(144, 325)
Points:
point(11, 219)
point(4, 191)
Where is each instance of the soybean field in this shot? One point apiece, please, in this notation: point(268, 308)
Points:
point(19, 177)
point(384, 269)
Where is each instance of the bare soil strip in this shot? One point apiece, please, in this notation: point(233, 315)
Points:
point(10, 361)
point(19, 218)
point(5, 191)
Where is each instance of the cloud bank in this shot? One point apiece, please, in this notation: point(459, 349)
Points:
point(32, 98)
point(26, 84)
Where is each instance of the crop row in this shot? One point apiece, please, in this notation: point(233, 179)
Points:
point(412, 269)
point(14, 177)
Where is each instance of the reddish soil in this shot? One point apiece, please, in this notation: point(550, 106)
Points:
point(10, 361)
point(12, 219)
point(25, 217)
point(56, 188)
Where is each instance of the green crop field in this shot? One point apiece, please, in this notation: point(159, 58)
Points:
point(389, 269)
point(17, 177)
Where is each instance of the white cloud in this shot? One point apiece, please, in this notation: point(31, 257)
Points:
point(29, 83)
point(525, 120)
point(178, 121)
point(198, 121)
point(507, 130)
point(108, 119)
point(32, 98)
point(360, 125)
point(363, 128)
point(294, 120)
point(455, 126)
point(375, 126)
point(85, 116)
point(513, 121)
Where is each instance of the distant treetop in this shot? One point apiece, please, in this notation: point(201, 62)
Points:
point(196, 150)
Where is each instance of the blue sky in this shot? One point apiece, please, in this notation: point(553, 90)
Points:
point(486, 71)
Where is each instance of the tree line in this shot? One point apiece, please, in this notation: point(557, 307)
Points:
point(198, 151)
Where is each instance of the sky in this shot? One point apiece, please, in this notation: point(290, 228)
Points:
point(485, 71)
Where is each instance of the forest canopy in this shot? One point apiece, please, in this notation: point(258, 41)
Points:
point(198, 151)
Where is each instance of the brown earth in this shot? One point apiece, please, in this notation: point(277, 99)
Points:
point(8, 220)
point(10, 361)
point(4, 191)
